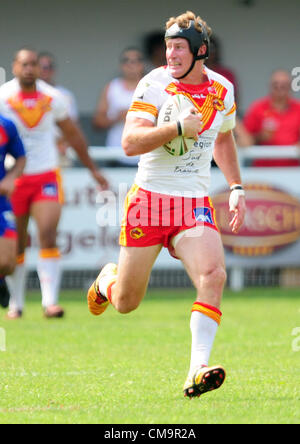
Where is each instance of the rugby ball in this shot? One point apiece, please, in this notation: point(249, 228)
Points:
point(174, 107)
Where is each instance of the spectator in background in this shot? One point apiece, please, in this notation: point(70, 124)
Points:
point(275, 119)
point(155, 50)
point(115, 101)
point(48, 73)
point(215, 63)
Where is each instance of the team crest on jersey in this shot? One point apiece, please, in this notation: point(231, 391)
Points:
point(30, 110)
point(136, 233)
point(203, 214)
point(218, 104)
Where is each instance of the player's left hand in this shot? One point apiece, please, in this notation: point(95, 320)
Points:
point(237, 206)
point(101, 180)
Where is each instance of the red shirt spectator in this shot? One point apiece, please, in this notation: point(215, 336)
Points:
point(275, 120)
point(215, 63)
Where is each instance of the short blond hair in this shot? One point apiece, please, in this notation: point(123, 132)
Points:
point(183, 21)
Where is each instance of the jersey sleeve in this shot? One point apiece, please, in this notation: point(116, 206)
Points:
point(15, 145)
point(60, 107)
point(146, 101)
point(230, 111)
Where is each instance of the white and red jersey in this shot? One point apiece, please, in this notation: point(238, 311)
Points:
point(35, 115)
point(187, 175)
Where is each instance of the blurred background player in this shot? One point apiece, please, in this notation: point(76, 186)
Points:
point(215, 62)
point(10, 143)
point(155, 50)
point(35, 107)
point(274, 120)
point(48, 73)
point(115, 100)
point(175, 186)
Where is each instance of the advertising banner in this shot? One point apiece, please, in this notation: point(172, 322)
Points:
point(90, 224)
point(270, 236)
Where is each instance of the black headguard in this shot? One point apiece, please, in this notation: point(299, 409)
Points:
point(195, 38)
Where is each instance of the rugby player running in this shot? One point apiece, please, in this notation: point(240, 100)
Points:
point(197, 243)
point(36, 107)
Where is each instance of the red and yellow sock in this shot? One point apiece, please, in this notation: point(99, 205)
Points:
point(49, 272)
point(208, 310)
point(50, 253)
point(109, 288)
point(20, 259)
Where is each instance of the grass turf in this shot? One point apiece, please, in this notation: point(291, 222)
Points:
point(129, 369)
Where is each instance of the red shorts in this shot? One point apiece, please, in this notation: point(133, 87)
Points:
point(154, 218)
point(33, 188)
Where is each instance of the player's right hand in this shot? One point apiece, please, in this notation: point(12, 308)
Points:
point(191, 121)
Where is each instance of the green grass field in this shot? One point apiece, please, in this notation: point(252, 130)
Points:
point(129, 369)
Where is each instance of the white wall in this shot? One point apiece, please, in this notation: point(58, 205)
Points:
point(87, 37)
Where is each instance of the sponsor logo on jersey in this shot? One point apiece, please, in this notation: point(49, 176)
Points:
point(50, 190)
point(203, 214)
point(198, 96)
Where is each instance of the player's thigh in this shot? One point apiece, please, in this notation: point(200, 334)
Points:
point(46, 214)
point(201, 252)
point(134, 269)
point(8, 254)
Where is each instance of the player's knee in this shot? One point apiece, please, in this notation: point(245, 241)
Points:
point(214, 277)
point(7, 266)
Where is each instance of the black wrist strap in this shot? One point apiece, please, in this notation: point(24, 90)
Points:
point(179, 128)
point(236, 187)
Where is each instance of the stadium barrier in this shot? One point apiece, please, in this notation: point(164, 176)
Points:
point(265, 252)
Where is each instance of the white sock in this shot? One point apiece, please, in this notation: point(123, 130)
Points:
point(16, 284)
point(103, 285)
point(203, 330)
point(49, 272)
